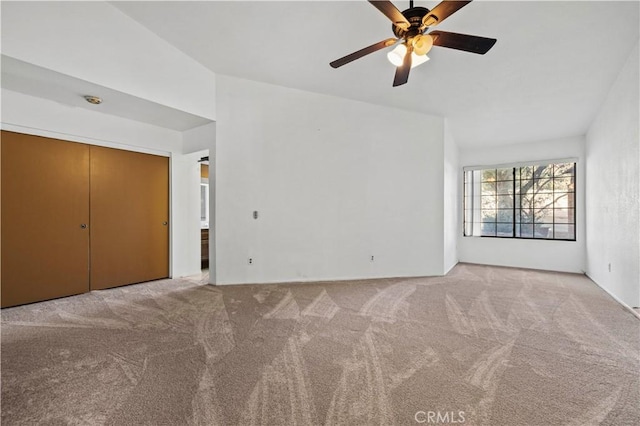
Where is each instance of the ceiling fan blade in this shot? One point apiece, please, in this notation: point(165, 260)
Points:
point(362, 52)
point(392, 13)
point(468, 43)
point(442, 11)
point(402, 72)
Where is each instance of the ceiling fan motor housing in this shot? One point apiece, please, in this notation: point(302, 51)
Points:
point(414, 16)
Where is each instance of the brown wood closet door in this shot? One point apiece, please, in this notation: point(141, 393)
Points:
point(129, 217)
point(45, 202)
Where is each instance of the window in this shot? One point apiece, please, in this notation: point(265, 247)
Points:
point(526, 201)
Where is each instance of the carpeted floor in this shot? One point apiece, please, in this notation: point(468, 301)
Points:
point(481, 346)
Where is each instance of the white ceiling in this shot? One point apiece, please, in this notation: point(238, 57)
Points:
point(545, 78)
point(33, 80)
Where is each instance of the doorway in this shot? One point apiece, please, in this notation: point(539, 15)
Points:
point(204, 213)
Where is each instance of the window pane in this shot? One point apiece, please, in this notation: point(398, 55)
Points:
point(563, 200)
point(543, 230)
point(504, 229)
point(524, 215)
point(543, 171)
point(526, 231)
point(526, 172)
point(564, 184)
point(505, 187)
point(543, 200)
point(488, 216)
point(543, 215)
point(505, 201)
point(488, 188)
point(565, 232)
point(525, 201)
point(505, 174)
point(488, 229)
point(564, 215)
point(564, 169)
point(542, 185)
point(505, 216)
point(489, 175)
point(488, 202)
point(525, 188)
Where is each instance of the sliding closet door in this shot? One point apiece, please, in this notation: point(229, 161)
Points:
point(45, 218)
point(129, 217)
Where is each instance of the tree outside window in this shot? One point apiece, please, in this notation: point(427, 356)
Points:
point(536, 201)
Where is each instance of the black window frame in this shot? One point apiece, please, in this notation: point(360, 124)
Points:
point(517, 179)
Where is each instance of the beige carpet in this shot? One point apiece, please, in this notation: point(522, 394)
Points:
point(483, 346)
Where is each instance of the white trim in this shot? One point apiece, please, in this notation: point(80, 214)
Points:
point(614, 297)
point(80, 139)
point(327, 280)
point(521, 164)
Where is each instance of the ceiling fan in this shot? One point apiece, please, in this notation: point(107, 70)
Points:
point(411, 29)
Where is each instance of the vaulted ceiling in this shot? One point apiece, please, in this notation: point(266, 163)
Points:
point(545, 78)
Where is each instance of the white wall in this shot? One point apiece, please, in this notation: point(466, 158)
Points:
point(613, 189)
point(334, 181)
point(452, 197)
point(96, 42)
point(200, 138)
point(568, 256)
point(37, 116)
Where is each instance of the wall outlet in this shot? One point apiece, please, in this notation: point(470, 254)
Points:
point(251, 261)
point(609, 267)
point(372, 258)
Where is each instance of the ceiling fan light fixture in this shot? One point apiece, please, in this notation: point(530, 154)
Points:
point(396, 56)
point(422, 44)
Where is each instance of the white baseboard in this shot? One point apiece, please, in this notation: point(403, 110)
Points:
point(452, 266)
point(633, 311)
